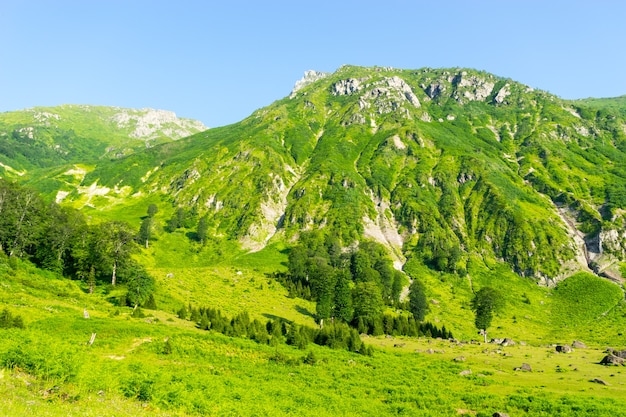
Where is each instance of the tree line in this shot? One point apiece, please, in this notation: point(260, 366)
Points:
point(355, 286)
point(336, 335)
point(60, 239)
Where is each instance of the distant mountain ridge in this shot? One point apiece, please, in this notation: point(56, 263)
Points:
point(50, 136)
point(449, 166)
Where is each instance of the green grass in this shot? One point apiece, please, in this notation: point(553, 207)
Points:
point(49, 369)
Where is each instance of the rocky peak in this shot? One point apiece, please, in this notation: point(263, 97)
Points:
point(310, 77)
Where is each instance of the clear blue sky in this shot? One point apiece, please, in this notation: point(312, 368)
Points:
point(219, 61)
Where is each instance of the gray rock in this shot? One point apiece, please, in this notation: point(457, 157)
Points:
point(309, 78)
point(564, 349)
point(577, 344)
point(500, 414)
point(508, 342)
point(459, 359)
point(599, 381)
point(502, 94)
point(620, 353)
point(611, 359)
point(526, 367)
point(346, 87)
point(434, 90)
point(465, 372)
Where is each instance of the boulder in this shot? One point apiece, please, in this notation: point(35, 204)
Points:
point(465, 372)
point(599, 381)
point(564, 349)
point(500, 414)
point(618, 353)
point(508, 342)
point(577, 344)
point(611, 359)
point(459, 359)
point(525, 367)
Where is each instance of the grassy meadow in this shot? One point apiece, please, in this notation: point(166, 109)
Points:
point(160, 365)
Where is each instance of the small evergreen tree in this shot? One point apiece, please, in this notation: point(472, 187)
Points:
point(202, 230)
point(182, 313)
point(417, 300)
point(342, 309)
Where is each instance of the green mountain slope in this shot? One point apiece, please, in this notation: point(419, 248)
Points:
point(440, 165)
point(50, 136)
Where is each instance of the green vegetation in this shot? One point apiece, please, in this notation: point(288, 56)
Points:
point(485, 304)
point(255, 268)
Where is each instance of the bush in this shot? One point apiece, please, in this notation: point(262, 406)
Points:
point(8, 320)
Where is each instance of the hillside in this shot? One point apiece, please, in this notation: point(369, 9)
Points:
point(43, 137)
point(249, 269)
point(443, 165)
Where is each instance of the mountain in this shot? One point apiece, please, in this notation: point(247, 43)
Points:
point(50, 136)
point(448, 165)
point(256, 242)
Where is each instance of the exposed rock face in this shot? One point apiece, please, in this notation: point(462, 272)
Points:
point(502, 94)
point(310, 77)
point(472, 88)
point(434, 90)
point(346, 87)
point(147, 122)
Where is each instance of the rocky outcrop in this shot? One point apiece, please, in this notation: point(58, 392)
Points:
point(503, 93)
point(472, 87)
point(346, 87)
point(310, 77)
point(148, 123)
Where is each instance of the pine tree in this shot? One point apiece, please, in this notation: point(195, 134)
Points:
point(202, 230)
point(182, 313)
point(417, 300)
point(342, 309)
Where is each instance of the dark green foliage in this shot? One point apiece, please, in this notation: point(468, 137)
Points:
point(337, 335)
point(486, 302)
point(182, 313)
point(59, 238)
point(418, 305)
point(367, 300)
point(150, 303)
point(342, 308)
point(140, 286)
point(8, 320)
point(145, 231)
point(152, 210)
point(202, 230)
